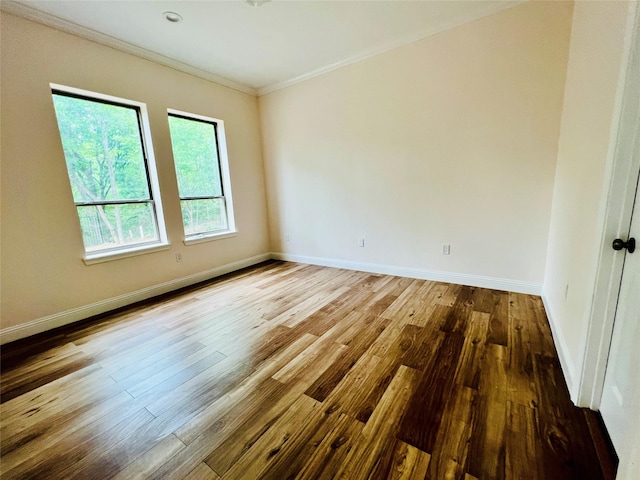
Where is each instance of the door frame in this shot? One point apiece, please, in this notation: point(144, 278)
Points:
point(621, 176)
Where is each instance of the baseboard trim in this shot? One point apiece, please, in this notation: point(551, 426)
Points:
point(566, 363)
point(60, 319)
point(435, 275)
point(49, 322)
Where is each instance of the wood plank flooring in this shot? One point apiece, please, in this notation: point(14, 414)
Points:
point(289, 371)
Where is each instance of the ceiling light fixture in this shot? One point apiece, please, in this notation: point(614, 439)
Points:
point(172, 17)
point(257, 3)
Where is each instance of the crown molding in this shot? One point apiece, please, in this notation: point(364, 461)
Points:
point(385, 47)
point(35, 15)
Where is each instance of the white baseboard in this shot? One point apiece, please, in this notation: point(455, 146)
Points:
point(43, 324)
point(568, 367)
point(49, 322)
point(435, 275)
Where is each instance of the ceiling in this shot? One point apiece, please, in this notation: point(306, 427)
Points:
point(255, 49)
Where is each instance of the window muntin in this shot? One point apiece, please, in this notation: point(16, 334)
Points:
point(203, 186)
point(107, 162)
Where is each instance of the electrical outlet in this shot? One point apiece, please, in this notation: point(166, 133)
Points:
point(361, 242)
point(446, 249)
point(287, 237)
point(178, 257)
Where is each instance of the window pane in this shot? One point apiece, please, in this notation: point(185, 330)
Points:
point(196, 157)
point(111, 226)
point(204, 216)
point(103, 150)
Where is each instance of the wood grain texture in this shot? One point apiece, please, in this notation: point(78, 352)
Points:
point(400, 461)
point(382, 427)
point(289, 371)
point(202, 472)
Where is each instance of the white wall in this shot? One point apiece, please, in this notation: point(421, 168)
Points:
point(593, 75)
point(451, 139)
point(43, 275)
point(457, 139)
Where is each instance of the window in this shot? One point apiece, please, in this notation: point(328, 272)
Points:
point(199, 153)
point(111, 171)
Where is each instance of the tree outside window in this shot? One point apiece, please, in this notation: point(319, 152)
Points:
point(107, 167)
point(197, 158)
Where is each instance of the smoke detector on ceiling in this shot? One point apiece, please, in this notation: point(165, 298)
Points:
point(172, 17)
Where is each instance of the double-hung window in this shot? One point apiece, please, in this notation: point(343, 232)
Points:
point(202, 170)
point(111, 170)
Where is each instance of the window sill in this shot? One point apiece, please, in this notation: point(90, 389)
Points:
point(101, 257)
point(194, 239)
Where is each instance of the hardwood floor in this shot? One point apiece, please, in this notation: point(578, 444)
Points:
point(287, 371)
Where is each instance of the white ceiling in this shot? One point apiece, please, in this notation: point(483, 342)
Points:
point(255, 49)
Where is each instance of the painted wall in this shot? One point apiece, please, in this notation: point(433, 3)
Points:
point(448, 140)
point(42, 269)
point(593, 73)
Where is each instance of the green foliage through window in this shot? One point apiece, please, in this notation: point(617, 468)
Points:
point(195, 153)
point(106, 163)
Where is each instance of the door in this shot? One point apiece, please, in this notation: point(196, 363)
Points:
point(620, 404)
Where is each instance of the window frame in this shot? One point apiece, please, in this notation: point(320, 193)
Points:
point(225, 178)
point(155, 199)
